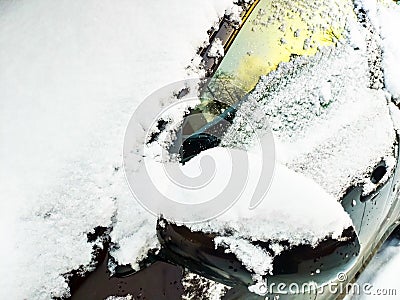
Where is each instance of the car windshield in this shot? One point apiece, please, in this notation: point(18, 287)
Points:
point(269, 35)
point(291, 62)
point(272, 34)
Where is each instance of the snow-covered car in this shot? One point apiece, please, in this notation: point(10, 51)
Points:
point(317, 76)
point(317, 71)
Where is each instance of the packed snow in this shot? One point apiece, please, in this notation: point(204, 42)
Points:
point(217, 49)
point(252, 256)
point(268, 221)
point(314, 136)
point(234, 14)
point(300, 203)
point(197, 287)
point(384, 16)
point(71, 75)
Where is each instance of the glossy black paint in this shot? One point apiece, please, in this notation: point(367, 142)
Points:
point(196, 251)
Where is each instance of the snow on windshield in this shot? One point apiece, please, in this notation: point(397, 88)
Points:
point(323, 116)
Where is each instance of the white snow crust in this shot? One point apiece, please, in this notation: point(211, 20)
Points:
point(217, 49)
point(71, 75)
point(317, 137)
point(313, 215)
point(234, 14)
point(384, 16)
point(197, 287)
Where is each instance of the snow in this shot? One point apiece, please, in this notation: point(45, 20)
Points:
point(234, 14)
point(323, 114)
point(253, 257)
point(197, 287)
point(129, 297)
point(384, 16)
point(237, 227)
point(217, 49)
point(308, 225)
point(223, 171)
point(259, 287)
point(389, 20)
point(381, 273)
point(312, 116)
point(71, 75)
